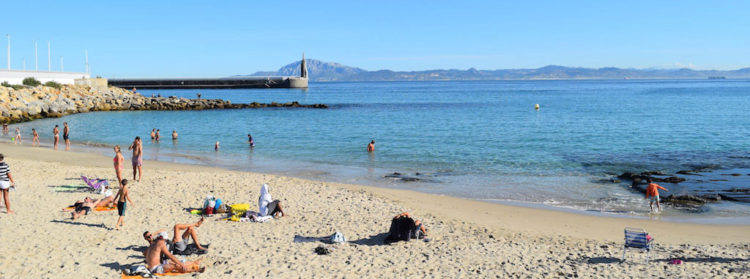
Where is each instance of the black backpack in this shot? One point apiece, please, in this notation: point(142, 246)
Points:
point(402, 228)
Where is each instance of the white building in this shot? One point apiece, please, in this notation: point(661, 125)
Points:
point(16, 77)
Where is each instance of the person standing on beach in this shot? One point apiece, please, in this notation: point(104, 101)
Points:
point(66, 136)
point(371, 146)
point(18, 135)
point(137, 160)
point(118, 161)
point(174, 134)
point(158, 136)
point(653, 191)
point(216, 147)
point(5, 129)
point(56, 132)
point(153, 133)
point(250, 140)
point(6, 181)
point(122, 198)
point(35, 137)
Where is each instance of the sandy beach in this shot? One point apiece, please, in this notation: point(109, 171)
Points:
point(469, 239)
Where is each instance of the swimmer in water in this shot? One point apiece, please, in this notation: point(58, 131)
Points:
point(216, 147)
point(371, 146)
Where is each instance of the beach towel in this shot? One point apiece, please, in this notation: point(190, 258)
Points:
point(245, 217)
point(125, 276)
point(98, 208)
point(95, 184)
point(70, 188)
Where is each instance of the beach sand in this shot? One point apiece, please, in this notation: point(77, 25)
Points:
point(469, 239)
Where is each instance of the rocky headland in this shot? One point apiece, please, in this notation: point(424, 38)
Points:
point(26, 104)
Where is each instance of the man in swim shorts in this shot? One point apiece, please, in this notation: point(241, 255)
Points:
point(66, 136)
point(137, 159)
point(157, 248)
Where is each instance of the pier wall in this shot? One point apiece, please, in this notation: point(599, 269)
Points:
point(16, 77)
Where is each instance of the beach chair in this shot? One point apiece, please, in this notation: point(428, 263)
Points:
point(637, 239)
point(95, 184)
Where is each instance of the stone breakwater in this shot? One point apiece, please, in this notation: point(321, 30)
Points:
point(31, 103)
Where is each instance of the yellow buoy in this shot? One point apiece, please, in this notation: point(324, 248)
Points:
point(536, 107)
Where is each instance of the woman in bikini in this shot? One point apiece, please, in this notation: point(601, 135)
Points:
point(35, 139)
point(56, 132)
point(118, 159)
point(18, 136)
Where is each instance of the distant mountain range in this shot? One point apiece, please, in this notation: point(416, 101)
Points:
point(330, 71)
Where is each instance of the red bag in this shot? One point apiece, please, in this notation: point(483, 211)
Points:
point(208, 210)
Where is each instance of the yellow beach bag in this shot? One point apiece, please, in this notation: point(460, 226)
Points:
point(240, 208)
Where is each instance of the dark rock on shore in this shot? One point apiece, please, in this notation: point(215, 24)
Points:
point(407, 178)
point(688, 201)
point(671, 179)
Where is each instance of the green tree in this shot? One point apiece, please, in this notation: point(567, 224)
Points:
point(53, 84)
point(30, 81)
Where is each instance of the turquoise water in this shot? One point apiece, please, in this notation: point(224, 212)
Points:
point(475, 139)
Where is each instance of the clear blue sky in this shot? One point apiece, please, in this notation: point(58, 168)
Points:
point(220, 38)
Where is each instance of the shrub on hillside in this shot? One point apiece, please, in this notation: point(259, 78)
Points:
point(53, 84)
point(6, 84)
point(30, 81)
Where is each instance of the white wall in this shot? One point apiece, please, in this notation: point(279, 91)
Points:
point(16, 77)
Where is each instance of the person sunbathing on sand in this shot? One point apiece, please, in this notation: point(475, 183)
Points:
point(267, 206)
point(82, 207)
point(85, 206)
point(180, 241)
point(157, 248)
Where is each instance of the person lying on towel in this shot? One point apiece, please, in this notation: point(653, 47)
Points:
point(180, 240)
point(83, 207)
point(158, 248)
point(107, 201)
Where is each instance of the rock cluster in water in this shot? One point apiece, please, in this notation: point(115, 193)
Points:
point(25, 104)
point(704, 187)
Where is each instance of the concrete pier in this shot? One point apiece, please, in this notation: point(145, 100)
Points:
point(216, 83)
point(211, 83)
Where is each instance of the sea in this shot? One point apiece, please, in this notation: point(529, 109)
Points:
point(480, 140)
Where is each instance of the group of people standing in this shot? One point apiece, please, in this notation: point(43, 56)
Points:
point(35, 136)
point(156, 134)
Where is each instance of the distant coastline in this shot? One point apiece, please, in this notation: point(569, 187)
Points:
point(321, 71)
